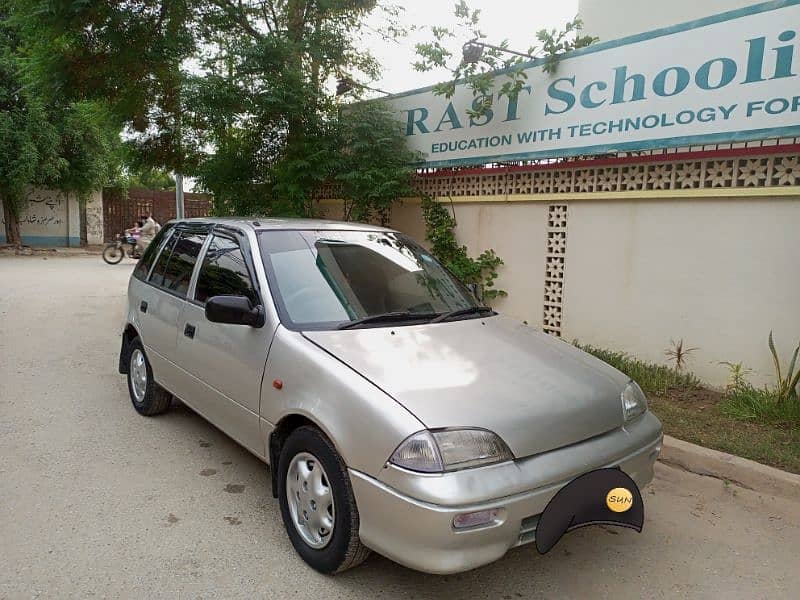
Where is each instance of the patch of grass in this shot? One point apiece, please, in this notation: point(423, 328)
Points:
point(746, 403)
point(651, 377)
point(711, 427)
point(744, 421)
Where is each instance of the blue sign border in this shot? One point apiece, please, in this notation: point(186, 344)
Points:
point(693, 140)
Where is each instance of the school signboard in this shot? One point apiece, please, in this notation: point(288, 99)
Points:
point(727, 78)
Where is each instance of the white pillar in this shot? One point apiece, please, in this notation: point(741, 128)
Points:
point(73, 214)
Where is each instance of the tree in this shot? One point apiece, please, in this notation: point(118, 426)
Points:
point(479, 74)
point(236, 92)
point(127, 55)
point(27, 138)
point(152, 179)
point(28, 141)
point(67, 146)
point(267, 104)
point(136, 173)
point(374, 167)
point(88, 147)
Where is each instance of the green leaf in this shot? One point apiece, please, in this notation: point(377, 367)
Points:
point(775, 359)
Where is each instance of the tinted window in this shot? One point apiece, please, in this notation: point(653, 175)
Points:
point(157, 276)
point(144, 264)
point(224, 272)
point(178, 270)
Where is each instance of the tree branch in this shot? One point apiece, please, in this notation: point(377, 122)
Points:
point(236, 14)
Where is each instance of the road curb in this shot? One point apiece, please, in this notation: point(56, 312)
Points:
point(46, 252)
point(740, 471)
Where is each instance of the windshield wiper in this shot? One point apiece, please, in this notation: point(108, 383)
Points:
point(460, 312)
point(387, 317)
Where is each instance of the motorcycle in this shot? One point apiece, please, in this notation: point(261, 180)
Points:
point(123, 245)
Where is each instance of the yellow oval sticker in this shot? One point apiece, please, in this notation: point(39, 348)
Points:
point(619, 499)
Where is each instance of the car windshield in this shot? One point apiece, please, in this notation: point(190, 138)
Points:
point(328, 279)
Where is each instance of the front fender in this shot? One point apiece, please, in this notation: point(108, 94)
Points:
point(364, 423)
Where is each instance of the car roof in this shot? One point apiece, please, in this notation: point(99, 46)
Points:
point(268, 223)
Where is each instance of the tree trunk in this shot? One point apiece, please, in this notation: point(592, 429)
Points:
point(295, 14)
point(11, 219)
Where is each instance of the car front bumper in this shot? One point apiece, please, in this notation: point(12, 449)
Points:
point(408, 517)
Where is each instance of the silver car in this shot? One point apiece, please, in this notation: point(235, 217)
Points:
point(396, 412)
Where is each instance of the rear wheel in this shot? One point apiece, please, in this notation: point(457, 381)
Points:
point(113, 254)
point(317, 503)
point(147, 396)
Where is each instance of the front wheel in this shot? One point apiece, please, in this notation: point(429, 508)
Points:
point(113, 254)
point(317, 503)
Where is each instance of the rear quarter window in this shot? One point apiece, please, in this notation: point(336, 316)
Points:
point(157, 274)
point(178, 270)
point(149, 256)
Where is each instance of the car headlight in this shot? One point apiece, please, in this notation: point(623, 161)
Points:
point(450, 450)
point(634, 402)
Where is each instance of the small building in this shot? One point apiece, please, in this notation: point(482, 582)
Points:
point(55, 219)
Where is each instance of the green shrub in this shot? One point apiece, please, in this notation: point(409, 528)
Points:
point(778, 405)
point(761, 405)
point(651, 377)
point(440, 232)
point(786, 383)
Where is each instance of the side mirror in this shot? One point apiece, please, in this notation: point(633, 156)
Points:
point(476, 290)
point(234, 310)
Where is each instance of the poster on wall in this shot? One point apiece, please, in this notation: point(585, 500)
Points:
point(731, 77)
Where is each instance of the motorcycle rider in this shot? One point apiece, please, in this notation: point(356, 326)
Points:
point(147, 232)
point(135, 231)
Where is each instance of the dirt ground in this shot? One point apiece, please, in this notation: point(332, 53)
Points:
point(96, 501)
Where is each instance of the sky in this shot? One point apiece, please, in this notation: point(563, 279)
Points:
point(515, 20)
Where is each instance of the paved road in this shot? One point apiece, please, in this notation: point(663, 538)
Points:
point(97, 501)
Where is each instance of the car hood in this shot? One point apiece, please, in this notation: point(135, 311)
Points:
point(536, 392)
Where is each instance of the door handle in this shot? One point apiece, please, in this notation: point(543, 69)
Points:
point(188, 330)
point(143, 306)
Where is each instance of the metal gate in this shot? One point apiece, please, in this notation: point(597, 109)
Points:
point(121, 211)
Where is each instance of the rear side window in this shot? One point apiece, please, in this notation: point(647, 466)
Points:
point(157, 276)
point(144, 264)
point(181, 265)
point(224, 272)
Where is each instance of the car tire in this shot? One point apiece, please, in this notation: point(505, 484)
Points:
point(148, 398)
point(306, 448)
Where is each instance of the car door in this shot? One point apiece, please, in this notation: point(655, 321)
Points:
point(223, 363)
point(156, 316)
point(169, 282)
